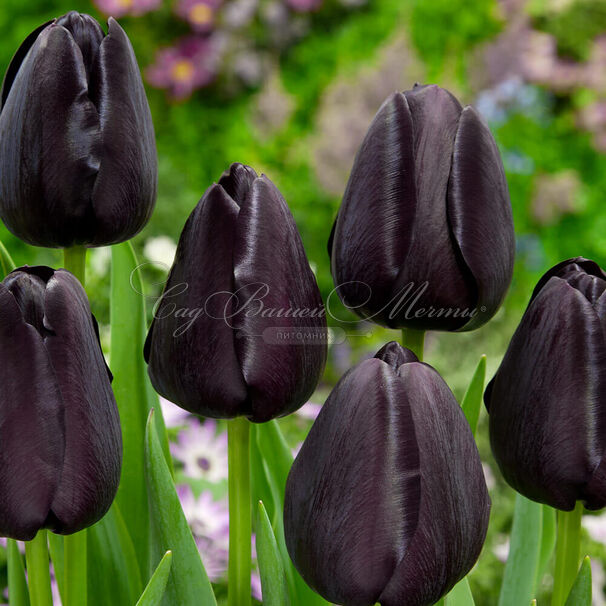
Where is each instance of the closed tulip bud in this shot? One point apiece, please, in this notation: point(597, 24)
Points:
point(424, 236)
point(77, 151)
point(547, 401)
point(240, 328)
point(61, 447)
point(386, 501)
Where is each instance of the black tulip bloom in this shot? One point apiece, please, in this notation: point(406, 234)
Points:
point(240, 328)
point(424, 236)
point(547, 401)
point(60, 441)
point(77, 151)
point(386, 501)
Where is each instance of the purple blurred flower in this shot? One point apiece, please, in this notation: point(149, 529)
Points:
point(174, 416)
point(304, 6)
point(309, 411)
point(184, 68)
point(200, 14)
point(202, 452)
point(209, 522)
point(119, 8)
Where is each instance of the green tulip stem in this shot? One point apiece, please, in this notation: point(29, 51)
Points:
point(414, 340)
point(240, 515)
point(74, 260)
point(568, 553)
point(74, 545)
point(75, 569)
point(38, 573)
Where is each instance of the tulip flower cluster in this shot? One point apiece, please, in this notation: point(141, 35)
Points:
point(386, 501)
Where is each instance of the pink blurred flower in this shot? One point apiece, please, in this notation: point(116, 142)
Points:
point(304, 6)
point(202, 452)
point(309, 411)
point(200, 14)
point(184, 68)
point(119, 8)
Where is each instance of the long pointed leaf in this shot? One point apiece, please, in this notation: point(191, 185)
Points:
point(548, 541)
point(276, 460)
point(152, 596)
point(131, 388)
point(18, 594)
point(6, 262)
point(521, 568)
point(271, 568)
point(188, 584)
point(113, 573)
point(472, 400)
point(580, 594)
point(460, 595)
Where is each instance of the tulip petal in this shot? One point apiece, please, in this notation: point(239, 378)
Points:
point(272, 273)
point(87, 34)
point(353, 493)
point(125, 190)
point(190, 347)
point(49, 145)
point(372, 231)
point(237, 181)
point(431, 263)
point(93, 444)
point(547, 429)
point(31, 425)
point(480, 215)
point(454, 502)
point(17, 60)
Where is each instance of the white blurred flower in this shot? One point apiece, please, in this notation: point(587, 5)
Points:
point(100, 259)
point(596, 527)
point(309, 411)
point(202, 452)
point(501, 551)
point(160, 251)
point(597, 583)
point(488, 476)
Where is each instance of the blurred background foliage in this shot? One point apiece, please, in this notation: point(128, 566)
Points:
point(290, 87)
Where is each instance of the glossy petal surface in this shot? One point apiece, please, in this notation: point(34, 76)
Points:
point(125, 190)
point(190, 347)
point(93, 445)
point(271, 277)
point(386, 501)
point(373, 230)
point(479, 213)
point(49, 144)
point(31, 425)
point(546, 402)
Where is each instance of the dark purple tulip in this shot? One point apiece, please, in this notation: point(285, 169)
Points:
point(547, 401)
point(77, 150)
point(60, 442)
point(424, 236)
point(223, 342)
point(386, 501)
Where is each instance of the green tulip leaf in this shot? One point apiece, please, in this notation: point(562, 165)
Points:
point(157, 584)
point(18, 594)
point(472, 400)
point(271, 460)
point(113, 572)
point(133, 393)
point(271, 568)
point(524, 552)
point(548, 541)
point(188, 583)
point(460, 595)
point(580, 594)
point(6, 262)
